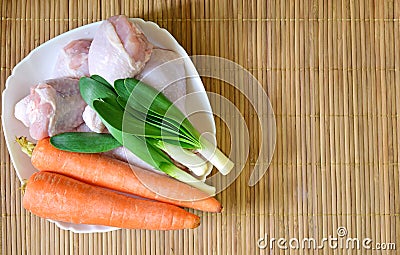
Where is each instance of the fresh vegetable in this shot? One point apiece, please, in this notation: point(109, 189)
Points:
point(84, 142)
point(57, 197)
point(110, 173)
point(133, 133)
point(190, 160)
point(134, 108)
point(163, 113)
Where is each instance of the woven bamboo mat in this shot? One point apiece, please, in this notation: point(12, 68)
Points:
point(332, 72)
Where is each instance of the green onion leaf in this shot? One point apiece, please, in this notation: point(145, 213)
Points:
point(101, 80)
point(129, 124)
point(91, 90)
point(84, 142)
point(151, 102)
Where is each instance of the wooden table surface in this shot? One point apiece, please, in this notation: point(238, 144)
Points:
point(332, 72)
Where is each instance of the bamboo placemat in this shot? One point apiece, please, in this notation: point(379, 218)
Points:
point(332, 72)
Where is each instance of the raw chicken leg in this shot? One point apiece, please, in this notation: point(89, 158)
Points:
point(92, 120)
point(73, 60)
point(53, 107)
point(165, 71)
point(119, 49)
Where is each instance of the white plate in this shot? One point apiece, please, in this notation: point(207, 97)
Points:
point(38, 66)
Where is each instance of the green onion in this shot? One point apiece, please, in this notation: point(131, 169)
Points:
point(155, 103)
point(215, 156)
point(187, 158)
point(155, 106)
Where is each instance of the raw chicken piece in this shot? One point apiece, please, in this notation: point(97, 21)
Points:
point(92, 120)
point(83, 128)
point(73, 60)
point(119, 49)
point(165, 71)
point(53, 107)
point(21, 109)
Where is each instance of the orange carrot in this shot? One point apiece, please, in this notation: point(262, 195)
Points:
point(57, 197)
point(110, 173)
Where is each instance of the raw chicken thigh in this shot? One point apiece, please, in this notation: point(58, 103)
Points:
point(165, 72)
point(73, 60)
point(119, 49)
point(83, 128)
point(53, 106)
point(92, 120)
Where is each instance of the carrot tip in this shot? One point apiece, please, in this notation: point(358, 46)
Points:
point(197, 222)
